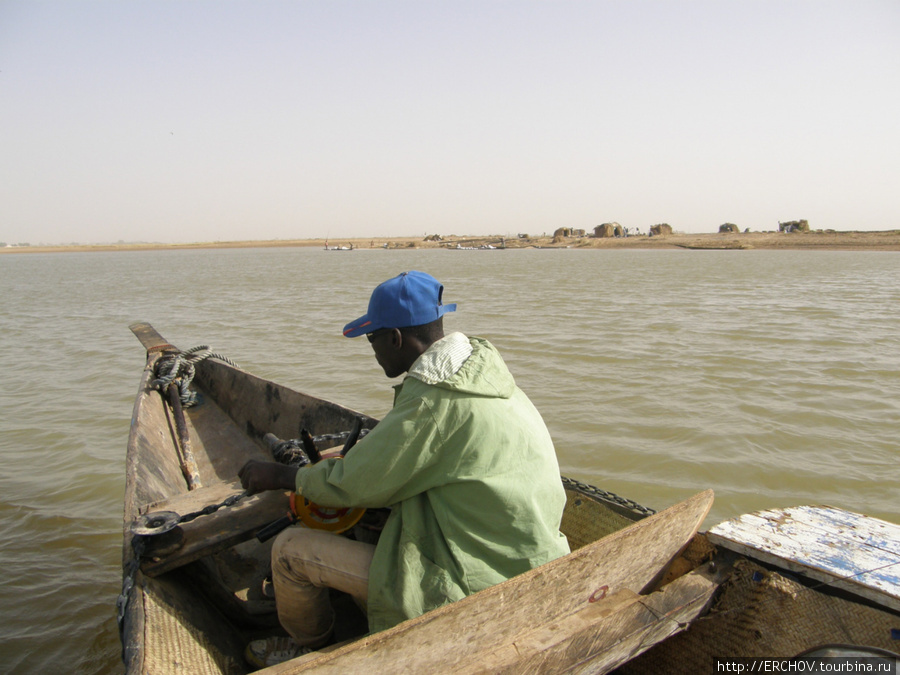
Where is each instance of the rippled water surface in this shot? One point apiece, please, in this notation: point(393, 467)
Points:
point(771, 376)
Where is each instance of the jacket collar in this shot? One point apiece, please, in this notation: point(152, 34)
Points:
point(442, 360)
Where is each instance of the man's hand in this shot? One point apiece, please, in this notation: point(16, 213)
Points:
point(257, 476)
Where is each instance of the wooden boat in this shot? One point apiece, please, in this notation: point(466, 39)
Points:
point(731, 246)
point(193, 567)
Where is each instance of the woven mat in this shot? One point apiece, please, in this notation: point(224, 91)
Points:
point(760, 613)
point(173, 646)
point(586, 520)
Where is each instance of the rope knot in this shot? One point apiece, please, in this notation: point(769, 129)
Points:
point(180, 368)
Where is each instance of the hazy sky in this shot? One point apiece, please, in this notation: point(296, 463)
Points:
point(195, 121)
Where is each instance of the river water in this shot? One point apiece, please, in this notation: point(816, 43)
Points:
point(771, 376)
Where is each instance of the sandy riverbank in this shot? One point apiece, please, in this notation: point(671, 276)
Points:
point(831, 240)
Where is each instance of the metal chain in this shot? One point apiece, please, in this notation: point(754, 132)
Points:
point(592, 491)
point(139, 544)
point(340, 436)
point(292, 452)
point(206, 510)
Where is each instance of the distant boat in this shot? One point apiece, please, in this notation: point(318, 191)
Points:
point(716, 247)
point(483, 247)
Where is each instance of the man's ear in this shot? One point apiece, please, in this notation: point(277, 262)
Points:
point(396, 338)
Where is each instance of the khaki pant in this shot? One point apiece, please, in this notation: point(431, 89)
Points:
point(305, 564)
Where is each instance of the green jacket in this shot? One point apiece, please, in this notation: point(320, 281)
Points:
point(471, 473)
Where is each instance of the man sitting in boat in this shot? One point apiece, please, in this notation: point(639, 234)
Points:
point(463, 459)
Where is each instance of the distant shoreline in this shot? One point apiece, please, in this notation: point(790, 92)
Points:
point(817, 240)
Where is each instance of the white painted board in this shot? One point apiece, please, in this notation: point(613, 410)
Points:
point(850, 551)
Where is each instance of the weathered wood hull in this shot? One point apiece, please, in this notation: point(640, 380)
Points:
point(193, 602)
point(632, 581)
point(196, 601)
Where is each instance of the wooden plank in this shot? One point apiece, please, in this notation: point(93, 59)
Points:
point(614, 631)
point(528, 651)
point(189, 502)
point(664, 613)
point(148, 336)
point(850, 551)
point(626, 561)
point(217, 531)
point(860, 528)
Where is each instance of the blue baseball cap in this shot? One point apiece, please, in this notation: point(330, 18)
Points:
point(409, 299)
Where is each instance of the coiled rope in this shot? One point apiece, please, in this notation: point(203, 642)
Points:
point(180, 368)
